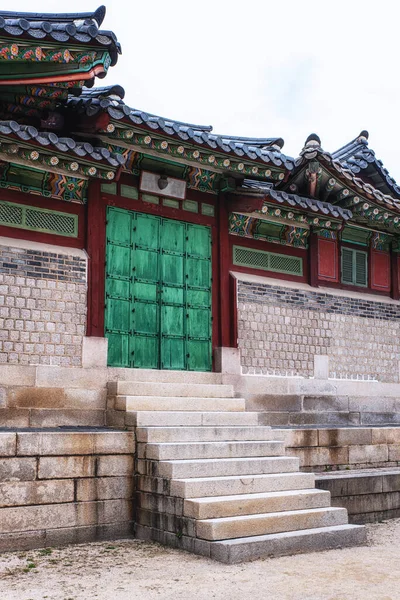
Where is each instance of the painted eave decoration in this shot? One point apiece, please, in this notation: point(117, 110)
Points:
point(56, 153)
point(183, 141)
point(39, 52)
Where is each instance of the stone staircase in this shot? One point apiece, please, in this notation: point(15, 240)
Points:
point(212, 481)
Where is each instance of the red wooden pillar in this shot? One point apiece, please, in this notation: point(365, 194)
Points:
point(96, 248)
point(313, 259)
point(224, 266)
point(395, 272)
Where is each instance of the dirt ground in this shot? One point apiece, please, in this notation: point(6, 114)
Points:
point(135, 570)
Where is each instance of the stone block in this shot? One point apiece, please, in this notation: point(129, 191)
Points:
point(394, 452)
point(17, 375)
point(159, 503)
point(391, 482)
point(8, 444)
point(63, 417)
point(14, 417)
point(227, 360)
point(154, 485)
point(324, 418)
point(66, 467)
point(114, 466)
point(386, 435)
point(342, 484)
point(321, 366)
point(90, 533)
point(377, 418)
point(54, 516)
point(54, 443)
point(368, 454)
point(344, 437)
point(85, 399)
point(320, 456)
point(26, 540)
point(113, 442)
point(17, 469)
point(86, 379)
point(167, 522)
point(325, 403)
point(20, 493)
point(274, 403)
point(94, 352)
point(297, 438)
point(33, 397)
point(107, 488)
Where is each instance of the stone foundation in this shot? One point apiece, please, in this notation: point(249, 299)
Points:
point(65, 487)
point(43, 296)
point(323, 450)
point(282, 326)
point(369, 497)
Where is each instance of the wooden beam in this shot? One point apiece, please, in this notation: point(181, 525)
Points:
point(96, 249)
point(224, 265)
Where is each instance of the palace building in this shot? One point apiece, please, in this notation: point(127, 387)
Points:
point(134, 247)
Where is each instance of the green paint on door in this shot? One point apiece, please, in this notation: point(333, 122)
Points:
point(158, 292)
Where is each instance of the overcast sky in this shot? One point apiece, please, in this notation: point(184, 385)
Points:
point(261, 68)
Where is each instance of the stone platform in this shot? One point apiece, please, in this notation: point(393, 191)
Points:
point(64, 486)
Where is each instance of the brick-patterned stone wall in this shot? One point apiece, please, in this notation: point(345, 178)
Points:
point(65, 487)
point(282, 328)
point(43, 299)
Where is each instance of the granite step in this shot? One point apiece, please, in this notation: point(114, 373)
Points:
point(179, 403)
point(268, 523)
point(167, 390)
point(170, 418)
point(282, 544)
point(218, 467)
point(243, 484)
point(250, 504)
point(193, 450)
point(206, 434)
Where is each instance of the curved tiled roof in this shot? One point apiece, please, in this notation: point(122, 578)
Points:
point(50, 140)
point(313, 149)
point(72, 28)
point(358, 157)
point(299, 201)
point(110, 100)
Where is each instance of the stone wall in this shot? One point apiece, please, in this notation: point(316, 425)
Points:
point(43, 292)
point(343, 448)
point(65, 487)
point(282, 326)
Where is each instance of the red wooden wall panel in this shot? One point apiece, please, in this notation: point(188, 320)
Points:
point(328, 260)
point(380, 270)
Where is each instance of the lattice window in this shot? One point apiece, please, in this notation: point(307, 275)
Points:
point(267, 261)
point(38, 219)
point(354, 267)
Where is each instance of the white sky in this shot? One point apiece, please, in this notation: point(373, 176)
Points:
point(261, 68)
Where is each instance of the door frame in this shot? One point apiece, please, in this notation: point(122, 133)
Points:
point(96, 248)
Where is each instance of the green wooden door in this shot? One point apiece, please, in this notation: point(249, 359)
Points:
point(158, 292)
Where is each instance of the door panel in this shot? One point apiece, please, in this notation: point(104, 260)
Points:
point(158, 292)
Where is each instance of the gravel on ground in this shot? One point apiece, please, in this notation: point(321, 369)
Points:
point(137, 570)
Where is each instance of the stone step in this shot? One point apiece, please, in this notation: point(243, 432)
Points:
point(218, 467)
point(163, 376)
point(265, 523)
point(197, 487)
point(190, 450)
point(179, 403)
point(167, 390)
point(206, 434)
point(250, 504)
point(287, 543)
point(192, 418)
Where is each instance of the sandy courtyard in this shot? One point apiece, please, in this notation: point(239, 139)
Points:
point(131, 569)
